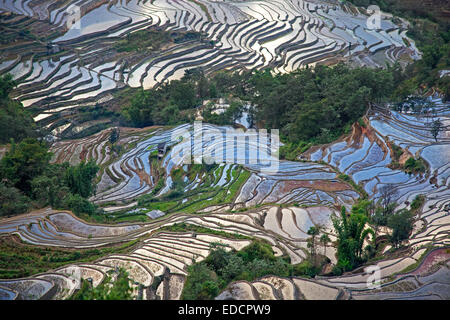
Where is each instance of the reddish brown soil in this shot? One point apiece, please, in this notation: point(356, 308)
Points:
point(431, 260)
point(327, 186)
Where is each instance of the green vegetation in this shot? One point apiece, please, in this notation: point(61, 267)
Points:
point(351, 233)
point(12, 201)
point(160, 106)
point(114, 136)
point(18, 259)
point(171, 103)
point(228, 117)
point(27, 178)
point(199, 198)
point(382, 213)
point(291, 150)
point(185, 227)
point(414, 166)
point(143, 40)
point(310, 106)
point(119, 289)
point(402, 224)
point(430, 28)
point(313, 232)
point(23, 163)
point(79, 178)
point(316, 104)
point(436, 127)
point(398, 151)
point(411, 166)
point(417, 202)
point(207, 278)
point(15, 122)
point(350, 181)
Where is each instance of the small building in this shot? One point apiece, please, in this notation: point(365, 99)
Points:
point(162, 148)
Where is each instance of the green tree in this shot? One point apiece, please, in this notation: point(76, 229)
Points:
point(402, 224)
point(50, 187)
point(324, 240)
point(23, 163)
point(313, 232)
point(114, 136)
point(350, 239)
point(432, 54)
point(12, 201)
point(436, 127)
point(78, 204)
point(15, 122)
point(183, 94)
point(79, 178)
point(201, 283)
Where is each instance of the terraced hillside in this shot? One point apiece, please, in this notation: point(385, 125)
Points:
point(69, 55)
point(63, 63)
point(234, 203)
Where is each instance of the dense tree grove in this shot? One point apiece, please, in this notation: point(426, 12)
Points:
point(79, 178)
point(28, 179)
point(15, 122)
point(164, 106)
point(207, 278)
point(23, 163)
point(229, 116)
point(317, 103)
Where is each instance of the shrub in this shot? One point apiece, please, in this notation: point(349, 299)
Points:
point(79, 205)
point(414, 166)
point(417, 202)
point(12, 201)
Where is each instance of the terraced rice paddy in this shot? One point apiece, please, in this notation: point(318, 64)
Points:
point(233, 198)
point(310, 192)
point(236, 35)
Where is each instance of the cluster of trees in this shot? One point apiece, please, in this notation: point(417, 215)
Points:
point(166, 105)
point(27, 179)
point(120, 289)
point(308, 105)
point(315, 262)
point(207, 278)
point(352, 229)
point(414, 165)
point(411, 165)
point(143, 40)
point(351, 233)
point(15, 122)
point(317, 104)
point(175, 102)
point(228, 117)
